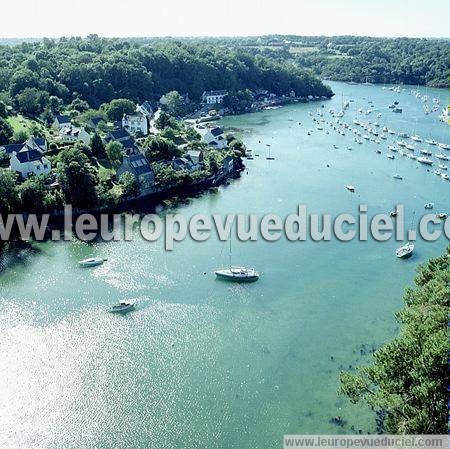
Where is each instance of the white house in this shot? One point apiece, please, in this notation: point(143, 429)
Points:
point(135, 123)
point(30, 162)
point(213, 96)
point(72, 134)
point(213, 135)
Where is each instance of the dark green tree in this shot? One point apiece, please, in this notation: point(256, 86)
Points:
point(114, 151)
point(97, 146)
point(409, 376)
point(6, 132)
point(116, 108)
point(158, 148)
point(77, 178)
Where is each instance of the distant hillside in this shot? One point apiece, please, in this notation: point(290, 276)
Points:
point(360, 59)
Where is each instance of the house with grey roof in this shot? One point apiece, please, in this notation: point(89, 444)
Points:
point(139, 167)
point(124, 137)
point(93, 122)
point(73, 134)
point(33, 143)
point(30, 162)
point(197, 158)
point(213, 135)
point(60, 121)
point(146, 109)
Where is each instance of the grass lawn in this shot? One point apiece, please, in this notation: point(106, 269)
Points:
point(21, 123)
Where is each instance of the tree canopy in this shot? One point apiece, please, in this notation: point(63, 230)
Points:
point(42, 75)
point(408, 378)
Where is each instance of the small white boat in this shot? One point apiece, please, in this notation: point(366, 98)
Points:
point(406, 251)
point(442, 157)
point(444, 146)
point(425, 160)
point(431, 142)
point(445, 177)
point(397, 176)
point(392, 148)
point(91, 262)
point(391, 156)
point(426, 152)
point(401, 143)
point(416, 138)
point(442, 216)
point(409, 147)
point(122, 307)
point(429, 206)
point(443, 167)
point(350, 188)
point(238, 274)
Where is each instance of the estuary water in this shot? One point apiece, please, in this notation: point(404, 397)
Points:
point(206, 364)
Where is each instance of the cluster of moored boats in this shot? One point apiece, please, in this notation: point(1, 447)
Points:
point(403, 144)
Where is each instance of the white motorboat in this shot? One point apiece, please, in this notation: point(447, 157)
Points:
point(416, 138)
point(442, 216)
point(431, 142)
point(406, 251)
point(444, 146)
point(391, 156)
point(91, 262)
point(443, 157)
point(392, 148)
point(425, 160)
point(426, 152)
point(238, 274)
point(122, 307)
point(443, 167)
point(445, 177)
point(398, 176)
point(401, 143)
point(409, 147)
point(429, 206)
point(350, 188)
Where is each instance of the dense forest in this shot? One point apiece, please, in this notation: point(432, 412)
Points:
point(46, 75)
point(351, 58)
point(408, 379)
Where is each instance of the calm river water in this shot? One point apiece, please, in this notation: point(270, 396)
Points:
point(206, 364)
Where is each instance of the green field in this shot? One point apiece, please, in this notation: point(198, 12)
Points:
point(20, 123)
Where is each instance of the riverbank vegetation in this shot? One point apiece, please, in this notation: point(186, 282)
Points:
point(408, 378)
point(43, 78)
